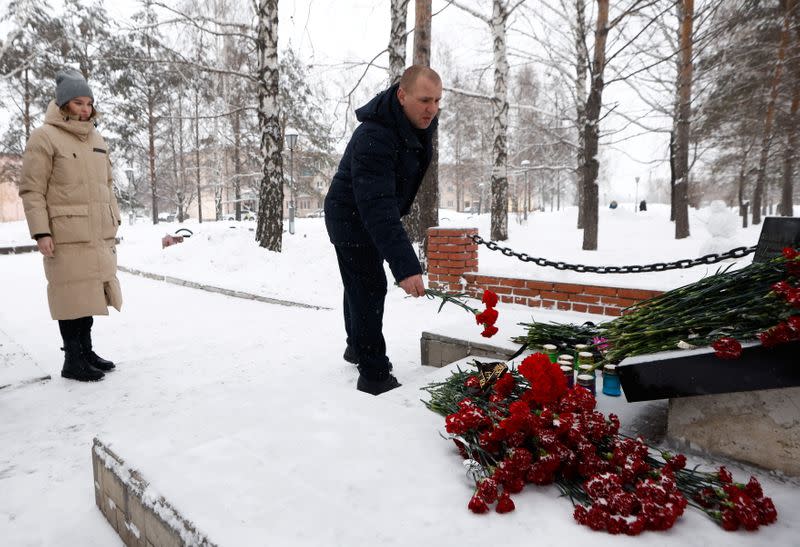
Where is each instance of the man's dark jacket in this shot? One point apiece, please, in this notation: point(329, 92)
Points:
point(377, 180)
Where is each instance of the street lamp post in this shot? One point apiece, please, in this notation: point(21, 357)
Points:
point(636, 199)
point(291, 141)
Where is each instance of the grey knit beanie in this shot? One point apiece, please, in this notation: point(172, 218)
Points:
point(70, 84)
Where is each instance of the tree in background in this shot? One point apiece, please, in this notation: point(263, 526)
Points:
point(270, 201)
point(683, 119)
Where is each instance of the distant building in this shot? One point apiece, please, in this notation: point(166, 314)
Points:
point(10, 203)
point(460, 188)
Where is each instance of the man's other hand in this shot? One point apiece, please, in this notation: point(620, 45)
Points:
point(414, 286)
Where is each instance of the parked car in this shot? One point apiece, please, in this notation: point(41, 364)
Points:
point(167, 217)
point(318, 213)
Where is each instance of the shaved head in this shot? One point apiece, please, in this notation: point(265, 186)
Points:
point(414, 72)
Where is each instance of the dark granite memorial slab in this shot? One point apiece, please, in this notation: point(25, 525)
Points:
point(684, 373)
point(777, 233)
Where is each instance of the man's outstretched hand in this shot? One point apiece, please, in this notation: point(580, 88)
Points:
point(414, 286)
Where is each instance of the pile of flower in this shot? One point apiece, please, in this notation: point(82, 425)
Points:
point(528, 428)
point(758, 302)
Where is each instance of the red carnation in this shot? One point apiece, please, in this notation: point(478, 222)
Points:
point(505, 385)
point(490, 331)
point(477, 504)
point(489, 298)
point(789, 253)
point(548, 383)
point(724, 475)
point(487, 490)
point(727, 348)
point(487, 317)
point(504, 504)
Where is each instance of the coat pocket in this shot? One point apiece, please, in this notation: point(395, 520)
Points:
point(69, 223)
point(109, 222)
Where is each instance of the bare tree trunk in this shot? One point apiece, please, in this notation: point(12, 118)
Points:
point(672, 173)
point(592, 129)
point(421, 55)
point(741, 183)
point(787, 188)
point(181, 148)
point(197, 153)
point(499, 223)
point(581, 71)
point(766, 138)
point(237, 163)
point(269, 232)
point(425, 210)
point(684, 112)
point(397, 40)
point(151, 154)
point(27, 100)
point(178, 189)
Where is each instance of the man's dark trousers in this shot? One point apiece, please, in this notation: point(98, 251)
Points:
point(365, 286)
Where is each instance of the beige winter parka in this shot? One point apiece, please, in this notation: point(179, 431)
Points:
point(66, 191)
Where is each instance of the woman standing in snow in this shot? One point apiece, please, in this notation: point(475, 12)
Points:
point(72, 213)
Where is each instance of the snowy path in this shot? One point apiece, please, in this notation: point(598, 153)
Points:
point(193, 364)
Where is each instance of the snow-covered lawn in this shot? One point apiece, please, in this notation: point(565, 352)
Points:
point(207, 382)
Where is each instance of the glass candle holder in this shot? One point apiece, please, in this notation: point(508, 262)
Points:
point(611, 385)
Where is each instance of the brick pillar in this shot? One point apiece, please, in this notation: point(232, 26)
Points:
point(451, 253)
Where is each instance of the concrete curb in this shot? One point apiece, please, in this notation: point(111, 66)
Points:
point(219, 290)
point(19, 249)
point(140, 517)
point(438, 350)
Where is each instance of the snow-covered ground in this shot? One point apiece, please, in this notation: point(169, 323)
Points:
point(224, 377)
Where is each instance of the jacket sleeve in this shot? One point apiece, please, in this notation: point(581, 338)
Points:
point(37, 166)
point(374, 188)
point(112, 197)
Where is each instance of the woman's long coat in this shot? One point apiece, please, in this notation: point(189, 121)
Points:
point(66, 188)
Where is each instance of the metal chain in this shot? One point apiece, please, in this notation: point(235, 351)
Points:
point(712, 258)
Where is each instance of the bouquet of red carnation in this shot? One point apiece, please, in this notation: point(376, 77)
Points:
point(527, 427)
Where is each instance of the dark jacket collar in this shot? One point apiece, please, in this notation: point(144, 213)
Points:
point(386, 110)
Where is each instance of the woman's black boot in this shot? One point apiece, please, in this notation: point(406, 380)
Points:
point(86, 345)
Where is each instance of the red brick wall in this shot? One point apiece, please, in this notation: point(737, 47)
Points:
point(453, 266)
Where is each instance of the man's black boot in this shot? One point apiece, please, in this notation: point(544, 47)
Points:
point(86, 345)
point(376, 387)
point(76, 367)
point(350, 355)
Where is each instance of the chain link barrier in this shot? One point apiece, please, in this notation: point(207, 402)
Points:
point(683, 264)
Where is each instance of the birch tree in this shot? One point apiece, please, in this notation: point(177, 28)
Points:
point(497, 22)
point(269, 230)
point(581, 73)
point(397, 39)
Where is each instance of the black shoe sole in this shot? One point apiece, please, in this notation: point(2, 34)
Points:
point(80, 378)
point(376, 388)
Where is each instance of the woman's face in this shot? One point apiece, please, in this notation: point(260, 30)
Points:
point(81, 107)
